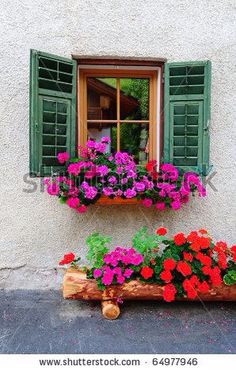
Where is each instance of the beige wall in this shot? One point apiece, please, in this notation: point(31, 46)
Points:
point(35, 229)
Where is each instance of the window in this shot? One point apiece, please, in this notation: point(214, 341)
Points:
point(72, 100)
point(120, 104)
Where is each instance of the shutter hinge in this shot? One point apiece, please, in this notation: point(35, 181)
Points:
point(37, 126)
point(163, 78)
point(206, 128)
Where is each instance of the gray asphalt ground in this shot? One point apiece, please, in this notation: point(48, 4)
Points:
point(42, 322)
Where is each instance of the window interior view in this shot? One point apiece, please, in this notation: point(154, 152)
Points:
point(118, 107)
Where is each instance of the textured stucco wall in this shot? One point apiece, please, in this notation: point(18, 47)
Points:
point(35, 229)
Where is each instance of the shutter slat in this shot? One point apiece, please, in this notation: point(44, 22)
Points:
point(52, 117)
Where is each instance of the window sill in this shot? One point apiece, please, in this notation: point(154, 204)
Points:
point(106, 201)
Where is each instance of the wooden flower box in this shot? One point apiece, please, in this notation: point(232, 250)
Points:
point(77, 286)
point(106, 201)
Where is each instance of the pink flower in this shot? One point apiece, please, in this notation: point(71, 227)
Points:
point(100, 147)
point(107, 191)
point(53, 189)
point(130, 193)
point(81, 209)
point(105, 139)
point(90, 192)
point(63, 157)
point(90, 144)
point(74, 169)
point(147, 202)
point(175, 204)
point(107, 277)
point(73, 202)
point(120, 279)
point(160, 206)
point(46, 180)
point(127, 273)
point(118, 193)
point(97, 273)
point(140, 186)
point(102, 170)
point(112, 180)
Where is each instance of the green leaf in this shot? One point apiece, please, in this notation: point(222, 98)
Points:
point(96, 249)
point(228, 280)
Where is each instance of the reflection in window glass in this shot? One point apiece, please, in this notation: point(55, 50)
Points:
point(134, 140)
point(97, 130)
point(134, 98)
point(101, 98)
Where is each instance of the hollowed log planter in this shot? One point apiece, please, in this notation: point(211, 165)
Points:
point(77, 286)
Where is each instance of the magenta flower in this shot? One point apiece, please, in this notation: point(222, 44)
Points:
point(102, 170)
point(147, 202)
point(120, 279)
point(112, 180)
point(97, 273)
point(107, 277)
point(73, 202)
point(139, 186)
point(90, 192)
point(90, 144)
point(130, 193)
point(81, 209)
point(127, 273)
point(175, 204)
point(53, 189)
point(105, 140)
point(100, 147)
point(107, 191)
point(74, 169)
point(160, 206)
point(63, 157)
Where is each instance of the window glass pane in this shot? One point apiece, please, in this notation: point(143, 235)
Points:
point(134, 98)
point(134, 140)
point(101, 98)
point(97, 130)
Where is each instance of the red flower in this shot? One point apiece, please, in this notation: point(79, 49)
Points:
point(233, 248)
point(204, 242)
point(221, 245)
point(188, 286)
point(203, 287)
point(191, 293)
point(194, 280)
point(179, 239)
point(192, 236)
point(184, 268)
point(169, 264)
point(169, 292)
point(188, 256)
point(195, 246)
point(150, 166)
point(205, 260)
point(203, 231)
point(215, 276)
point(166, 276)
point(206, 270)
point(222, 262)
point(68, 258)
point(146, 272)
point(161, 231)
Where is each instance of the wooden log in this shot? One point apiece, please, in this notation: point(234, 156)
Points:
point(77, 286)
point(110, 310)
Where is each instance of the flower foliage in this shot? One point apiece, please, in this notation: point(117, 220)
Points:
point(96, 172)
point(184, 265)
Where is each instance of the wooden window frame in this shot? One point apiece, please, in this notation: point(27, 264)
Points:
point(149, 69)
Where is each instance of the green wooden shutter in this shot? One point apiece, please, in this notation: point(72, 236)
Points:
point(52, 111)
point(187, 115)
